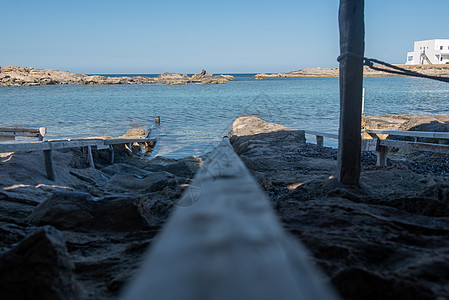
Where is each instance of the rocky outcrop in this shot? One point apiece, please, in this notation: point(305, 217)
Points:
point(39, 267)
point(434, 70)
point(23, 76)
point(202, 78)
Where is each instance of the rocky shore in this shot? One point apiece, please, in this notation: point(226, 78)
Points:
point(83, 236)
point(23, 76)
point(434, 70)
point(386, 239)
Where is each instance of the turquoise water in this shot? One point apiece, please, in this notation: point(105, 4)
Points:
point(195, 117)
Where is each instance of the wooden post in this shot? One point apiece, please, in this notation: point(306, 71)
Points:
point(90, 158)
point(111, 155)
point(382, 156)
point(48, 158)
point(352, 46)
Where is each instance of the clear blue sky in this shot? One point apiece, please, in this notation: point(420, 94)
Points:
point(137, 36)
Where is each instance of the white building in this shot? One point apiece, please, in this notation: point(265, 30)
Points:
point(429, 52)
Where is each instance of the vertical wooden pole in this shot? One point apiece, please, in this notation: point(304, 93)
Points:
point(352, 46)
point(48, 157)
point(111, 155)
point(382, 156)
point(319, 140)
point(90, 158)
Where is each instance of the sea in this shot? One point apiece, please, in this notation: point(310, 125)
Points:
point(194, 118)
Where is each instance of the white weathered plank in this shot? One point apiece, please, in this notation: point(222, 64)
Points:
point(64, 144)
point(223, 242)
point(324, 134)
point(422, 134)
point(47, 145)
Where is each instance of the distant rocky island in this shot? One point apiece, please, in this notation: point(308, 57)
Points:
point(434, 70)
point(23, 76)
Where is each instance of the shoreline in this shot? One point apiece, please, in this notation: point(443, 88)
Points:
point(24, 76)
point(433, 70)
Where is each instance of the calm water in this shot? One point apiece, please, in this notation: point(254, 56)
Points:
point(195, 117)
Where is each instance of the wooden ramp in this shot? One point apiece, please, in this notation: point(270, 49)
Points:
point(223, 241)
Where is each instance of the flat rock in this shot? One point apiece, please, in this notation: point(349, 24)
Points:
point(81, 211)
point(39, 267)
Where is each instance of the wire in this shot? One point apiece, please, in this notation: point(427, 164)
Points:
point(369, 62)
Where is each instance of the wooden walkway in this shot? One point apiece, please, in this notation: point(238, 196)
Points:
point(48, 146)
point(223, 242)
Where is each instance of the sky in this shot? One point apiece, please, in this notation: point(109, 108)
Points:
point(233, 36)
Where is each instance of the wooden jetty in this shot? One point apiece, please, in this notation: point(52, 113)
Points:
point(48, 146)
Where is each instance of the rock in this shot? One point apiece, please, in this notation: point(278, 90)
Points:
point(72, 210)
point(39, 267)
point(247, 131)
point(152, 182)
point(185, 167)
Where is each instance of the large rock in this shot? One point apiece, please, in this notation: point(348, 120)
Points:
point(75, 211)
point(247, 131)
point(39, 267)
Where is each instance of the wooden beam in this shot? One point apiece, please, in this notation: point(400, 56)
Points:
point(19, 130)
point(352, 47)
point(223, 241)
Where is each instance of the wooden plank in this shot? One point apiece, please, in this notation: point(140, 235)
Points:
point(223, 241)
point(126, 141)
point(422, 134)
point(47, 145)
point(324, 134)
point(19, 130)
point(352, 46)
point(438, 148)
point(49, 167)
point(11, 133)
point(7, 138)
point(64, 144)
